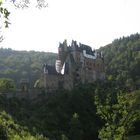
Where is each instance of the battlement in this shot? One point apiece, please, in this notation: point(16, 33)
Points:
point(82, 48)
point(74, 47)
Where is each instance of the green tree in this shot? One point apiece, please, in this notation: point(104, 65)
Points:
point(122, 61)
point(7, 85)
point(75, 129)
point(119, 116)
point(10, 130)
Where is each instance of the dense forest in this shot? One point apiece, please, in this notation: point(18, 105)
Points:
point(19, 65)
point(122, 61)
point(103, 110)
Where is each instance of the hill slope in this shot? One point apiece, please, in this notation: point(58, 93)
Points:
point(22, 64)
point(122, 60)
point(66, 114)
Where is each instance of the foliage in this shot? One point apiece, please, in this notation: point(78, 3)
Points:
point(19, 65)
point(57, 115)
point(69, 115)
point(4, 18)
point(122, 61)
point(75, 132)
point(12, 131)
point(54, 114)
point(26, 3)
point(4, 13)
point(122, 64)
point(7, 85)
point(119, 115)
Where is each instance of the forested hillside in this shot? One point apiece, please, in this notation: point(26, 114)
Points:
point(122, 61)
point(102, 110)
point(65, 115)
point(22, 64)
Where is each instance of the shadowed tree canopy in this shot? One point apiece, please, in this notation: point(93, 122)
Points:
point(6, 85)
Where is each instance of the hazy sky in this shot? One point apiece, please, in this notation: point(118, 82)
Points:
point(92, 22)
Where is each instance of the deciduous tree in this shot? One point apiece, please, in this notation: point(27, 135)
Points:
point(6, 85)
point(119, 116)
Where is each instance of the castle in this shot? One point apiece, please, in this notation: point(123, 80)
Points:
point(75, 64)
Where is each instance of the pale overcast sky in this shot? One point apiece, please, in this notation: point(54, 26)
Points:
point(92, 22)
